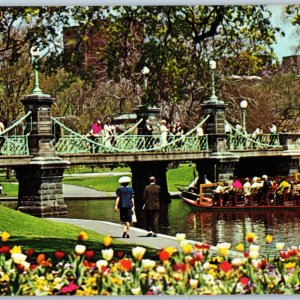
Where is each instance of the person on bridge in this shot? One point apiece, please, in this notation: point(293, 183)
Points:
point(151, 198)
point(109, 133)
point(125, 203)
point(163, 133)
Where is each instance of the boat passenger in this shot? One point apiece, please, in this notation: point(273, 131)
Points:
point(256, 183)
point(267, 186)
point(236, 184)
point(247, 190)
point(283, 186)
point(217, 192)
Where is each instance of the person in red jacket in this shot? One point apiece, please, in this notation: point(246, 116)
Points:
point(151, 198)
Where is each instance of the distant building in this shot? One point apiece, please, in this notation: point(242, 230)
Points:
point(87, 49)
point(291, 64)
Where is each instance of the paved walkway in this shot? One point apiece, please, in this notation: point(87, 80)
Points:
point(73, 192)
point(137, 235)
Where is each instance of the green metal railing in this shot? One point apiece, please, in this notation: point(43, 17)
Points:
point(75, 143)
point(13, 140)
point(243, 141)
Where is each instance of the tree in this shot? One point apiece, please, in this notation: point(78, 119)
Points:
point(292, 16)
point(179, 41)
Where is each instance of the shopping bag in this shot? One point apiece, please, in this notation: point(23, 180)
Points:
point(133, 218)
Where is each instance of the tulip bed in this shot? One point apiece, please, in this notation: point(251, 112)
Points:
point(192, 270)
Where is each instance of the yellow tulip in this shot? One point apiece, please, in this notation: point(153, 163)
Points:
point(269, 239)
point(290, 265)
point(187, 248)
point(82, 236)
point(239, 247)
point(16, 249)
point(107, 240)
point(170, 250)
point(251, 237)
point(5, 236)
point(223, 251)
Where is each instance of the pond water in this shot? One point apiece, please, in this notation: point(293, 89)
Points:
point(207, 227)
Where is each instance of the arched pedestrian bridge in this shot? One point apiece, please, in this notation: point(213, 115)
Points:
point(129, 147)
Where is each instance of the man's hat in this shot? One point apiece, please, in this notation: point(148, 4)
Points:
point(124, 179)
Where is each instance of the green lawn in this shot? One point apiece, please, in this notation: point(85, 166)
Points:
point(47, 236)
point(179, 176)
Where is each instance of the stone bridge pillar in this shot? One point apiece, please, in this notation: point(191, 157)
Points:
point(40, 182)
point(141, 172)
point(220, 165)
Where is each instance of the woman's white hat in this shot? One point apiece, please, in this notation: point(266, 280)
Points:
point(124, 179)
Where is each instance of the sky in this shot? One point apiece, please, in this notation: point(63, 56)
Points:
point(285, 45)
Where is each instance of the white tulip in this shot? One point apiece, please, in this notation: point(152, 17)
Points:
point(180, 236)
point(107, 254)
point(101, 263)
point(279, 246)
point(80, 249)
point(18, 258)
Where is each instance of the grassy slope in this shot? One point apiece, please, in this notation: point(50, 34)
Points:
point(48, 236)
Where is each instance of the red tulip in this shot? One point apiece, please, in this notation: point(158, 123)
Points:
point(293, 251)
point(244, 280)
point(126, 264)
point(120, 254)
point(89, 254)
point(4, 249)
point(246, 254)
point(264, 263)
point(198, 256)
point(225, 266)
point(202, 246)
point(164, 255)
point(149, 293)
point(59, 254)
point(180, 267)
point(29, 252)
point(284, 254)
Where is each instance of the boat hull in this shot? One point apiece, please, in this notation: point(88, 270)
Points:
point(208, 206)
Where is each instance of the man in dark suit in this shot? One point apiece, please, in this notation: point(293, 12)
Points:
point(151, 197)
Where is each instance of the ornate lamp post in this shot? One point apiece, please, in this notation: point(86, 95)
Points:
point(35, 54)
point(145, 71)
point(243, 105)
point(212, 66)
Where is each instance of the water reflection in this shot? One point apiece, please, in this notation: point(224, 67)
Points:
point(209, 227)
point(214, 227)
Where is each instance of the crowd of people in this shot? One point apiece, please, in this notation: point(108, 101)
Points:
point(167, 132)
point(256, 191)
point(106, 131)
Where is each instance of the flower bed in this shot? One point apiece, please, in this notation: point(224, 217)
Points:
point(192, 270)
